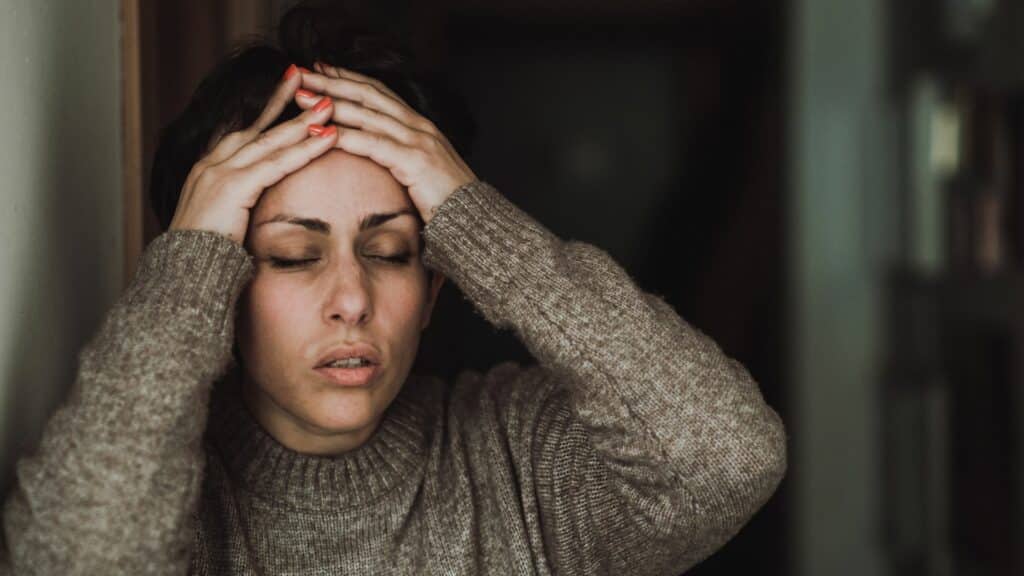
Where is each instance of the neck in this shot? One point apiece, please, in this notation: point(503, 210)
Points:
point(391, 456)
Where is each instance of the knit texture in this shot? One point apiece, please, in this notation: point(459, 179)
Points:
point(632, 446)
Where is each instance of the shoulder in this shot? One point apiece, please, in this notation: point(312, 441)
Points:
point(507, 382)
point(513, 397)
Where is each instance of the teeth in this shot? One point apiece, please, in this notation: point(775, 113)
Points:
point(349, 363)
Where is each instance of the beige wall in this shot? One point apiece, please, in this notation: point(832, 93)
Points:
point(60, 203)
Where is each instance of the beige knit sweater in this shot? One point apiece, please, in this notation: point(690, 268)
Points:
point(633, 446)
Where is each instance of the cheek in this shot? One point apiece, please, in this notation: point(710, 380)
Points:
point(397, 302)
point(274, 320)
point(398, 306)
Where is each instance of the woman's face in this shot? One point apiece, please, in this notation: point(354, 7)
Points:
point(345, 285)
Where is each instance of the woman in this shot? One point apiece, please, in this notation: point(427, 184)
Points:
point(632, 446)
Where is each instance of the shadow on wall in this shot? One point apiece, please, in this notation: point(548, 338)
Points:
point(62, 244)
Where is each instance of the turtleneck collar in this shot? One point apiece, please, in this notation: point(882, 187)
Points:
point(265, 467)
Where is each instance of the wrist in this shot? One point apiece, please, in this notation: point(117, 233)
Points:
point(434, 206)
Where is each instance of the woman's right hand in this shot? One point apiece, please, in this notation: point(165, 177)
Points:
point(223, 186)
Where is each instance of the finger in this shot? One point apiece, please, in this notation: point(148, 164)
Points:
point(381, 149)
point(273, 168)
point(361, 93)
point(279, 99)
point(371, 94)
point(282, 95)
point(336, 72)
point(348, 113)
point(285, 134)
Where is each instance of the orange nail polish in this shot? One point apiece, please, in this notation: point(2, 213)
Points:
point(322, 104)
point(291, 71)
point(304, 93)
point(321, 131)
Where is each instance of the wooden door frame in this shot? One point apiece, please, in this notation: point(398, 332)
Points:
point(131, 123)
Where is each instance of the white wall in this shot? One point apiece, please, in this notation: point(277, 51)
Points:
point(60, 201)
point(844, 223)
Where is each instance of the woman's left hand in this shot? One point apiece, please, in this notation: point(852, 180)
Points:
point(382, 127)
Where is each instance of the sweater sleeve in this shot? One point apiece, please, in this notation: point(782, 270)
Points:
point(112, 486)
point(655, 448)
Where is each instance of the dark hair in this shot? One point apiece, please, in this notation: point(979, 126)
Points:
point(235, 91)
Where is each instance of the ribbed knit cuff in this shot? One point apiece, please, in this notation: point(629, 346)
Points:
point(196, 270)
point(482, 241)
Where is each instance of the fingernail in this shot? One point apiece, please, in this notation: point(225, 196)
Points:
point(322, 131)
point(291, 71)
point(304, 93)
point(322, 104)
point(317, 130)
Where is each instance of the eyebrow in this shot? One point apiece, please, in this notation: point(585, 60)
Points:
point(319, 226)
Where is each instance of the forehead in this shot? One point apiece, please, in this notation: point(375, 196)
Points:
point(336, 187)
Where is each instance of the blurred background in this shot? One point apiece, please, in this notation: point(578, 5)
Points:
point(831, 189)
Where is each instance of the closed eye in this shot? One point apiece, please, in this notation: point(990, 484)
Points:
point(286, 263)
point(396, 259)
point(290, 263)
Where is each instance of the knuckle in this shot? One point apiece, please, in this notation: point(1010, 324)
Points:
point(277, 162)
point(199, 167)
point(364, 93)
point(235, 138)
point(249, 134)
point(432, 145)
point(217, 172)
point(272, 159)
point(345, 107)
point(263, 140)
point(423, 142)
point(378, 119)
point(228, 142)
point(425, 125)
point(310, 145)
point(208, 177)
point(214, 144)
point(361, 117)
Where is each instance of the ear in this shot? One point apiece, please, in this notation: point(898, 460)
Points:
point(436, 281)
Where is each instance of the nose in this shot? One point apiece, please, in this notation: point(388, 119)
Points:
point(348, 296)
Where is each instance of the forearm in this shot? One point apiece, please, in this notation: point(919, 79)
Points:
point(113, 484)
point(670, 415)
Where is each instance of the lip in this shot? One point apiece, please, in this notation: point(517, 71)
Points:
point(349, 351)
point(350, 376)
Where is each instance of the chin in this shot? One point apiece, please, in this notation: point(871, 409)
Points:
point(344, 414)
